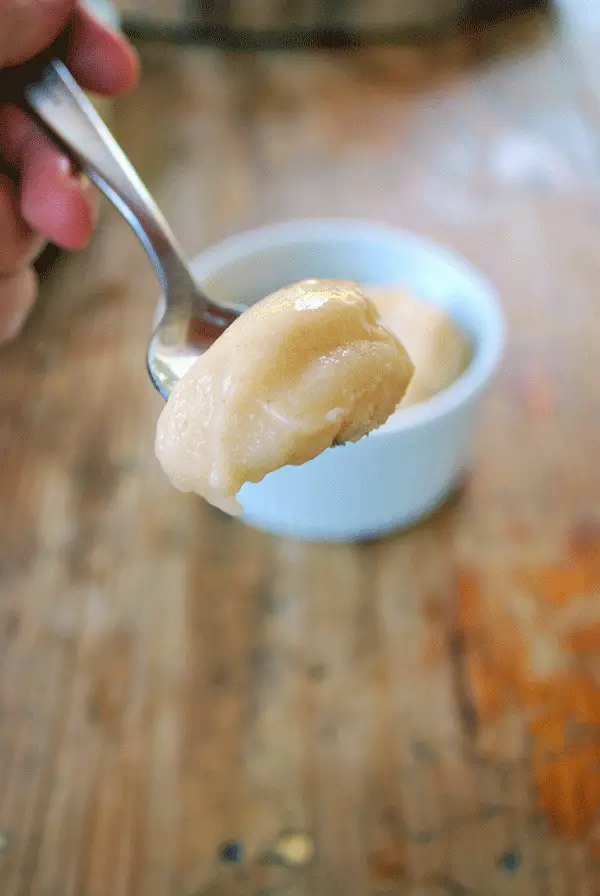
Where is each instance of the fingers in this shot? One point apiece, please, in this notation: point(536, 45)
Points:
point(100, 59)
point(19, 245)
point(28, 26)
point(17, 295)
point(54, 200)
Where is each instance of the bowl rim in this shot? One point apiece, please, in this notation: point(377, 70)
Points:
point(488, 351)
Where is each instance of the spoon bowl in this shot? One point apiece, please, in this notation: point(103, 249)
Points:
point(180, 336)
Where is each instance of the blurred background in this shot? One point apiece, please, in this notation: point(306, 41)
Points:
point(190, 707)
point(294, 21)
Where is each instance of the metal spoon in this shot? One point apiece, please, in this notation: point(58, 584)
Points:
point(191, 321)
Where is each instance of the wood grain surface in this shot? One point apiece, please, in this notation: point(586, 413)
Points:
point(189, 707)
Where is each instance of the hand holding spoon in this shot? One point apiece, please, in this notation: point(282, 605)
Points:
point(191, 321)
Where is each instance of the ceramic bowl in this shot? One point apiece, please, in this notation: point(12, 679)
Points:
point(404, 470)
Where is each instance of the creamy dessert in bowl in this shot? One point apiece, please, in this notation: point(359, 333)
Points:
point(306, 368)
point(437, 347)
point(423, 334)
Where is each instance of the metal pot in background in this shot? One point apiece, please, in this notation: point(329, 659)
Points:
point(248, 23)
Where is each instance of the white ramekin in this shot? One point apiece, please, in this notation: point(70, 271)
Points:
point(405, 469)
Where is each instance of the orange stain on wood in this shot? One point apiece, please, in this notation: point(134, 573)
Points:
point(569, 790)
point(558, 585)
point(561, 707)
point(584, 640)
point(584, 545)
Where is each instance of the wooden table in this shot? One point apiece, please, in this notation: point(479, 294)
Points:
point(178, 690)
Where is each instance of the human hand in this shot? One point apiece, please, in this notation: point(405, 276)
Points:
point(51, 201)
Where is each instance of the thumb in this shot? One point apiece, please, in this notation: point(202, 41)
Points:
point(29, 26)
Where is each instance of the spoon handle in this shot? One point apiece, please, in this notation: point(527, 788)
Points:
point(63, 108)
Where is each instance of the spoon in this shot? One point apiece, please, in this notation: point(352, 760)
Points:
point(191, 322)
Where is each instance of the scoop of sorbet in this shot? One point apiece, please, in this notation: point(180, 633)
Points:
point(308, 367)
